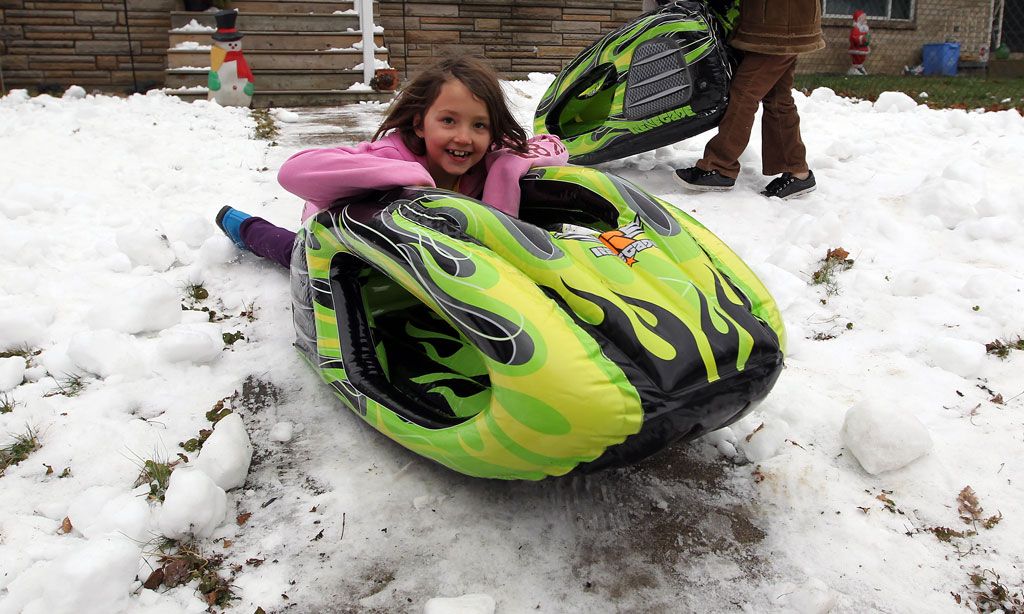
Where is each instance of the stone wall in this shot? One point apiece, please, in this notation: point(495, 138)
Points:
point(895, 44)
point(517, 36)
point(47, 45)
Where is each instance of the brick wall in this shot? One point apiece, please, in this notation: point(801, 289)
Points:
point(897, 44)
point(517, 36)
point(48, 45)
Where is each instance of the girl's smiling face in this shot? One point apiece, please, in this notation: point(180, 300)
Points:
point(456, 130)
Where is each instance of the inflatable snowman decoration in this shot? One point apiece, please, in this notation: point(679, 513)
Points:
point(230, 80)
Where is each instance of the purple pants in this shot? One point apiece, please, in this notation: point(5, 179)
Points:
point(268, 241)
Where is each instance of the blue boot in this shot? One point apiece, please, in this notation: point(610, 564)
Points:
point(230, 221)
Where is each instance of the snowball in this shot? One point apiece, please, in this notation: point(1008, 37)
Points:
point(187, 344)
point(87, 508)
point(282, 432)
point(146, 247)
point(18, 328)
point(1001, 228)
point(151, 305)
point(813, 597)
point(764, 441)
point(12, 372)
point(126, 515)
point(967, 171)
point(94, 579)
point(285, 116)
point(965, 358)
point(190, 229)
point(226, 454)
point(913, 283)
point(477, 603)
point(193, 505)
point(894, 102)
point(218, 249)
point(823, 94)
point(104, 353)
point(884, 438)
point(75, 92)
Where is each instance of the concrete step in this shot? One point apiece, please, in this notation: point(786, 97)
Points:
point(269, 60)
point(299, 98)
point(271, 21)
point(272, 80)
point(296, 6)
point(286, 41)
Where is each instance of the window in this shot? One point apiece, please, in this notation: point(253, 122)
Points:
point(876, 9)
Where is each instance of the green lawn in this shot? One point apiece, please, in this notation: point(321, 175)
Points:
point(943, 92)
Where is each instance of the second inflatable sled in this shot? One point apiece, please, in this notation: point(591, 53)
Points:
point(659, 79)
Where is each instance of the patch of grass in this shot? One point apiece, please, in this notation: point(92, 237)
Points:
point(835, 261)
point(214, 415)
point(156, 474)
point(196, 291)
point(1001, 348)
point(266, 128)
point(71, 385)
point(232, 338)
point(7, 403)
point(17, 451)
point(24, 351)
point(943, 92)
point(183, 562)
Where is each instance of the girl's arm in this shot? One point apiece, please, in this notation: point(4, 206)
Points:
point(506, 166)
point(321, 176)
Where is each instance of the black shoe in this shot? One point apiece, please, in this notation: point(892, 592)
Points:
point(704, 181)
point(787, 186)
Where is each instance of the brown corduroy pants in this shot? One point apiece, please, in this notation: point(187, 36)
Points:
point(759, 79)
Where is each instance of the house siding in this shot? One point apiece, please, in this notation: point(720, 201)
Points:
point(896, 44)
point(50, 45)
point(516, 36)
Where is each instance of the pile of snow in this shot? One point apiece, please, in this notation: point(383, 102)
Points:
point(889, 405)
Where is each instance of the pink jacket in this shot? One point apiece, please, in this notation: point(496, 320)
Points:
point(321, 176)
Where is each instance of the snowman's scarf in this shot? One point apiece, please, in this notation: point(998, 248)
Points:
point(241, 66)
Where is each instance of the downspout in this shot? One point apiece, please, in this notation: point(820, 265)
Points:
point(131, 51)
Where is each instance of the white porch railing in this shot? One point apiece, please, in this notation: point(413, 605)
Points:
point(365, 10)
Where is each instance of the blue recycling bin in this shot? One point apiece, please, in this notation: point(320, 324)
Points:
point(940, 58)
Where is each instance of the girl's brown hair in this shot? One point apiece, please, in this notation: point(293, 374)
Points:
point(478, 77)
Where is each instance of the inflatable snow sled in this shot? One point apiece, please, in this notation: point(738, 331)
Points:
point(598, 329)
point(659, 79)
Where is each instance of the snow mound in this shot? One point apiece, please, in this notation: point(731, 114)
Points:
point(476, 603)
point(147, 305)
point(965, 358)
point(75, 92)
point(894, 102)
point(12, 372)
point(884, 438)
point(226, 455)
point(193, 344)
point(20, 328)
point(282, 432)
point(193, 505)
point(764, 441)
point(105, 353)
point(146, 247)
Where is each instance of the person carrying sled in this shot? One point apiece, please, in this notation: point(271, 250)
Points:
point(770, 35)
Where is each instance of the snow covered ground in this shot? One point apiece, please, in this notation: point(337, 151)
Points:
point(844, 491)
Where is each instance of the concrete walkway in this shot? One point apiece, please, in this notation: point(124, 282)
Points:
point(332, 126)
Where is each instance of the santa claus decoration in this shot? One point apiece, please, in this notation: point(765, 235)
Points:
point(860, 43)
point(230, 81)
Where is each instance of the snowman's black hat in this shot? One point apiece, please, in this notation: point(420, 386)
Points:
point(226, 26)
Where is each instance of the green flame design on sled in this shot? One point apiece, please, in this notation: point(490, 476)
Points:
point(658, 79)
point(508, 351)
